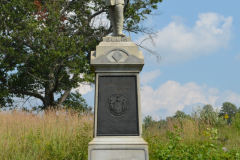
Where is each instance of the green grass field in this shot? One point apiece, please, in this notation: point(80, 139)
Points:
point(61, 135)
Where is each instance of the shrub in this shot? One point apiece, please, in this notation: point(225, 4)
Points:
point(207, 115)
point(176, 149)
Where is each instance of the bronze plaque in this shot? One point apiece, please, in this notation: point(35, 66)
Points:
point(117, 106)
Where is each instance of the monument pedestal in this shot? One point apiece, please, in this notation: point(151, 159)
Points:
point(118, 149)
point(117, 63)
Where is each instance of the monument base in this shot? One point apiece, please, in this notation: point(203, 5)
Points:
point(118, 149)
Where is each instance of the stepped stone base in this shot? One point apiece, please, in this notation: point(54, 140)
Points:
point(118, 149)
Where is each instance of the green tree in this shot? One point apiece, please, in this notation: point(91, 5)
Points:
point(148, 121)
point(229, 109)
point(208, 108)
point(76, 102)
point(208, 115)
point(180, 114)
point(45, 45)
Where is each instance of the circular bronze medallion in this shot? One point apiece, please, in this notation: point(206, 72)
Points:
point(117, 105)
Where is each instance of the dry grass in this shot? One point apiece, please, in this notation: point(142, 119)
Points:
point(60, 135)
point(52, 135)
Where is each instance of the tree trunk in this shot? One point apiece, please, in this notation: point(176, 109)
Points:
point(63, 98)
point(49, 93)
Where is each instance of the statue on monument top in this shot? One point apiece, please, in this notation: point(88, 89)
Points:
point(116, 16)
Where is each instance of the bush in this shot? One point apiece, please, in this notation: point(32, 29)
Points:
point(175, 149)
point(207, 115)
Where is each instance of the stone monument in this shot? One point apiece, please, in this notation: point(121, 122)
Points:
point(117, 63)
point(115, 8)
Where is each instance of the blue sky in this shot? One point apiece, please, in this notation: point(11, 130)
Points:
point(199, 45)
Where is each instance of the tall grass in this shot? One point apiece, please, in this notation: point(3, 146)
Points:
point(51, 135)
point(65, 135)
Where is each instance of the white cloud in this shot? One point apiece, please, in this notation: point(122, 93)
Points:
point(100, 20)
point(229, 96)
point(147, 77)
point(177, 42)
point(96, 22)
point(172, 96)
point(83, 88)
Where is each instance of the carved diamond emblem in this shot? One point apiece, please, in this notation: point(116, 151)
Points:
point(117, 56)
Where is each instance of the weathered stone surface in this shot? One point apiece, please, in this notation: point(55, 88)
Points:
point(116, 39)
point(117, 55)
point(118, 149)
point(104, 47)
point(115, 8)
point(131, 59)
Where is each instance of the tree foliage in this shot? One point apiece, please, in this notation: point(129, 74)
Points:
point(45, 45)
point(181, 115)
point(229, 109)
point(76, 102)
point(208, 115)
point(148, 120)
